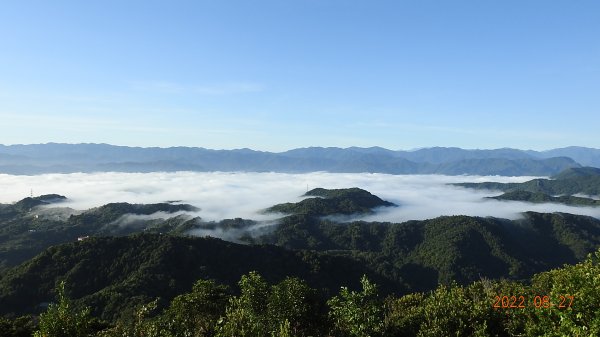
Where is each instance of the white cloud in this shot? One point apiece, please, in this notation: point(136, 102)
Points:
point(222, 195)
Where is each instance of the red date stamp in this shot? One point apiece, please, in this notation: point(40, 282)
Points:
point(537, 302)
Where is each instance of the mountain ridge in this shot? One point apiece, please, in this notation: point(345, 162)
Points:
point(91, 157)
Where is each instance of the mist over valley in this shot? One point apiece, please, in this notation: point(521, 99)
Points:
point(223, 195)
point(299, 168)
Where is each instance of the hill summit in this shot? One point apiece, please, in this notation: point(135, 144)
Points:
point(323, 201)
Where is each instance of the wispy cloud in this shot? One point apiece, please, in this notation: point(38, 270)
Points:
point(214, 89)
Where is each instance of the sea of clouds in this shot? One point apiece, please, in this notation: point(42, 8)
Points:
point(222, 195)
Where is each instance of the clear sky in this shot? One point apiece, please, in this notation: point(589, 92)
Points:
point(275, 75)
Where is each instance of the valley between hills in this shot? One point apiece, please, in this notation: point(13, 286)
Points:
point(118, 259)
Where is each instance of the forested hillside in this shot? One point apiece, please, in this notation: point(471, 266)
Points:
point(561, 302)
point(538, 197)
point(26, 230)
point(422, 253)
point(112, 275)
point(562, 188)
point(134, 271)
point(584, 180)
point(328, 202)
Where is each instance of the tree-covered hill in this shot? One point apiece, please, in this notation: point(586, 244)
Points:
point(420, 254)
point(25, 205)
point(415, 255)
point(578, 172)
point(31, 202)
point(577, 180)
point(26, 230)
point(114, 274)
point(560, 302)
point(538, 197)
point(102, 217)
point(333, 201)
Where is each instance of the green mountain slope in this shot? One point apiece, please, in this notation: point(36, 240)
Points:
point(560, 302)
point(330, 202)
point(114, 274)
point(420, 254)
point(8, 211)
point(583, 180)
point(25, 230)
point(543, 198)
point(578, 172)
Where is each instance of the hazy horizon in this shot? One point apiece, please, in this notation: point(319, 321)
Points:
point(277, 75)
point(304, 147)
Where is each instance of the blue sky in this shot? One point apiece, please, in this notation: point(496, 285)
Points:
point(275, 75)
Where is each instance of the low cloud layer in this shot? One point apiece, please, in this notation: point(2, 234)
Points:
point(222, 195)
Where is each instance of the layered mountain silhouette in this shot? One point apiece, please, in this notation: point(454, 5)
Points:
point(67, 158)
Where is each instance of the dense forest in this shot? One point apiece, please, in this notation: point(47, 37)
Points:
point(538, 197)
point(329, 202)
point(26, 230)
point(576, 180)
point(116, 270)
point(560, 302)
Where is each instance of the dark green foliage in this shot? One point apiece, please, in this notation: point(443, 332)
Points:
point(18, 327)
point(582, 180)
point(25, 231)
point(565, 235)
point(140, 323)
point(28, 203)
point(113, 275)
point(292, 308)
point(155, 285)
point(357, 314)
point(469, 311)
point(447, 311)
point(419, 254)
point(102, 218)
point(62, 319)
point(578, 172)
point(582, 281)
point(294, 303)
point(330, 202)
point(539, 197)
point(196, 313)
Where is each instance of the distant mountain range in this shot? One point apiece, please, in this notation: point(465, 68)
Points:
point(68, 158)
